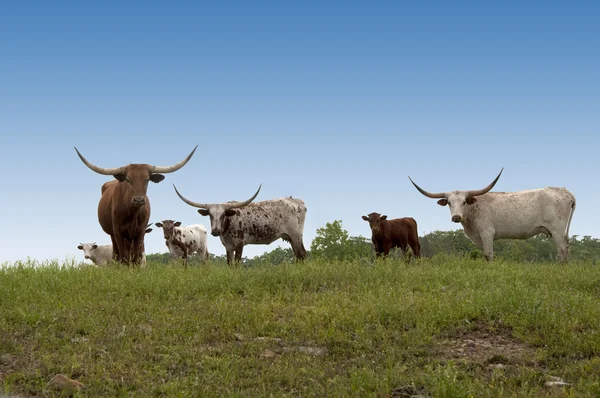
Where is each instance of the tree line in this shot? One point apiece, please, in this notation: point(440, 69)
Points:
point(332, 242)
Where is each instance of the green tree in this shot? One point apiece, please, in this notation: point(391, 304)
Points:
point(334, 243)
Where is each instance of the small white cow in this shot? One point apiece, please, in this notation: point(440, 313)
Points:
point(489, 216)
point(101, 255)
point(184, 241)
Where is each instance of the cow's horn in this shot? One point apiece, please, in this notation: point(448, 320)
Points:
point(486, 189)
point(99, 170)
point(175, 167)
point(244, 203)
point(189, 202)
point(428, 194)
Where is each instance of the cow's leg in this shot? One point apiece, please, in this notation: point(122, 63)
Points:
point(238, 253)
point(487, 241)
point(298, 248)
point(121, 247)
point(229, 255)
point(185, 256)
point(115, 256)
point(562, 245)
point(416, 248)
point(137, 247)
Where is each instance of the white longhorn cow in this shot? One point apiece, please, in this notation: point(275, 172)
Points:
point(184, 241)
point(489, 216)
point(260, 223)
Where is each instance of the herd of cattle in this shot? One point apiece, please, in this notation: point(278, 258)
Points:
point(124, 212)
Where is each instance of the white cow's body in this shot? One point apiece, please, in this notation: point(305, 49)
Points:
point(489, 216)
point(100, 255)
point(520, 215)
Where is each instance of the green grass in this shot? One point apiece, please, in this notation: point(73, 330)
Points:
point(441, 327)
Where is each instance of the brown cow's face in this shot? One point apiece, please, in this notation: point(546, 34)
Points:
point(137, 177)
point(168, 227)
point(220, 218)
point(375, 220)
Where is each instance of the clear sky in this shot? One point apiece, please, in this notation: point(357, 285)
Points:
point(332, 102)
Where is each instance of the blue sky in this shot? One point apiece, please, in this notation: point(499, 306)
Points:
point(333, 102)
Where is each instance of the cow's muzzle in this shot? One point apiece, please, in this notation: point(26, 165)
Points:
point(138, 201)
point(87, 257)
point(215, 232)
point(456, 218)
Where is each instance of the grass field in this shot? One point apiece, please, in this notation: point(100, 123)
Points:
point(441, 327)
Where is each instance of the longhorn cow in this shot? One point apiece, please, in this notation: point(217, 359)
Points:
point(124, 208)
point(489, 216)
point(260, 223)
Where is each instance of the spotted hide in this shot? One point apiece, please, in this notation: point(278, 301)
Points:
point(260, 223)
point(184, 241)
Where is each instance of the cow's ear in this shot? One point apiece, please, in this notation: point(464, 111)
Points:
point(80, 247)
point(177, 224)
point(442, 202)
point(203, 212)
point(365, 218)
point(94, 247)
point(157, 177)
point(158, 224)
point(148, 230)
point(120, 177)
point(471, 200)
point(230, 212)
point(383, 218)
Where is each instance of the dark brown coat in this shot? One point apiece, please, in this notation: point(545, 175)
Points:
point(387, 234)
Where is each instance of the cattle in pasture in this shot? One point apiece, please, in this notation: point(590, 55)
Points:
point(103, 254)
point(387, 234)
point(184, 241)
point(489, 216)
point(255, 223)
point(124, 207)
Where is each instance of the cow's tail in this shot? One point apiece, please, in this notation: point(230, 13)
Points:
point(573, 205)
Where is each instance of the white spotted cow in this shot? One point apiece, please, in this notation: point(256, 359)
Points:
point(260, 223)
point(184, 241)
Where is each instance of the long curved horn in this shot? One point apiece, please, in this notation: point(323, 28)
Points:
point(428, 194)
point(244, 203)
point(175, 167)
point(99, 170)
point(486, 189)
point(189, 202)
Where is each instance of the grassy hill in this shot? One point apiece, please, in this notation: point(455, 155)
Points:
point(442, 327)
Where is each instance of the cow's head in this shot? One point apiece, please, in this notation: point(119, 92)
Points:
point(168, 227)
point(457, 200)
point(87, 249)
point(136, 176)
point(219, 213)
point(375, 220)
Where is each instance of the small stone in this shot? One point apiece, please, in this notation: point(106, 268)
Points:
point(268, 354)
point(63, 382)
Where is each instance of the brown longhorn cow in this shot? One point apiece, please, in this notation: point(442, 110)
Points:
point(387, 234)
point(124, 208)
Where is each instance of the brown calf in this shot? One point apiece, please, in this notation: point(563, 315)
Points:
point(387, 234)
